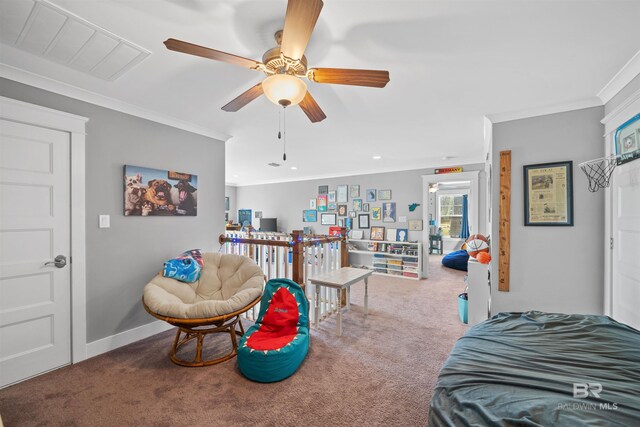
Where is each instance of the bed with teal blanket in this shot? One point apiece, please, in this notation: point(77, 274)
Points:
point(541, 369)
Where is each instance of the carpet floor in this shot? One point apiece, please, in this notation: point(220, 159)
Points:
point(381, 372)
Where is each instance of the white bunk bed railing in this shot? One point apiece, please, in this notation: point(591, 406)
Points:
point(292, 256)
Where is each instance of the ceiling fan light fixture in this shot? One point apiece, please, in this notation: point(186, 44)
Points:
point(284, 89)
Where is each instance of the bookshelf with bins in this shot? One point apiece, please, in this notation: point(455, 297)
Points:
point(398, 259)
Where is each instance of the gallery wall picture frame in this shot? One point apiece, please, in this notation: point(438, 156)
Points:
point(376, 214)
point(356, 234)
point(323, 189)
point(365, 207)
point(332, 206)
point(244, 217)
point(331, 197)
point(322, 203)
point(258, 214)
point(348, 223)
point(415, 224)
point(328, 219)
point(341, 223)
point(357, 205)
point(342, 194)
point(377, 233)
point(226, 203)
point(313, 203)
point(627, 141)
point(363, 221)
point(354, 191)
point(384, 194)
point(310, 215)
point(342, 210)
point(371, 195)
point(389, 212)
point(402, 235)
point(548, 194)
point(352, 214)
point(392, 234)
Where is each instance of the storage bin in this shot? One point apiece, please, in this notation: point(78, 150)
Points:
point(463, 307)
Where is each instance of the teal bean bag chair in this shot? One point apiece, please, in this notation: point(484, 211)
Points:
point(275, 346)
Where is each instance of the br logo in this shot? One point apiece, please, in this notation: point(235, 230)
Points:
point(582, 390)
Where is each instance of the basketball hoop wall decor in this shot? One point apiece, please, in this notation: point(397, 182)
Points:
point(548, 194)
point(627, 141)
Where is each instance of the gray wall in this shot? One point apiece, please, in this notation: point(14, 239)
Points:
point(122, 259)
point(555, 269)
point(232, 193)
point(286, 201)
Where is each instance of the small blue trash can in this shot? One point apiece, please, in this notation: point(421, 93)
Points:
point(463, 307)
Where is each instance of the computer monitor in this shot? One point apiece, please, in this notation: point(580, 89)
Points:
point(269, 224)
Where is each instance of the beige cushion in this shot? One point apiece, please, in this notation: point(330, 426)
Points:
point(227, 284)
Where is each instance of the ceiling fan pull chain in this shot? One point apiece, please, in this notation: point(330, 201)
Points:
point(279, 125)
point(284, 128)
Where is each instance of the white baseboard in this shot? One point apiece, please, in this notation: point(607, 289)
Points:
point(104, 345)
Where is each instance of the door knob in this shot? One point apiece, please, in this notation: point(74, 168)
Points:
point(59, 261)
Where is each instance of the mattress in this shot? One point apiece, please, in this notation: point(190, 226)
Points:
point(541, 369)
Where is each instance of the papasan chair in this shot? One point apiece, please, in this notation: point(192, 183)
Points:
point(229, 285)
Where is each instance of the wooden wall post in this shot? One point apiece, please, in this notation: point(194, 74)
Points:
point(298, 257)
point(344, 254)
point(504, 244)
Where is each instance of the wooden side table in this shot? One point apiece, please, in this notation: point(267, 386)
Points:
point(435, 243)
point(341, 279)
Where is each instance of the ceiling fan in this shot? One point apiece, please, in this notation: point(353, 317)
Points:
point(285, 64)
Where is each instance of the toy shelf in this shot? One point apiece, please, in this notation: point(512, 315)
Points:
point(386, 258)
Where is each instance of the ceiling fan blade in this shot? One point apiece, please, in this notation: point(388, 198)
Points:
point(312, 109)
point(244, 99)
point(299, 23)
point(346, 76)
point(205, 52)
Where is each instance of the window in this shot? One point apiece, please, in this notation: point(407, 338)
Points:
point(450, 214)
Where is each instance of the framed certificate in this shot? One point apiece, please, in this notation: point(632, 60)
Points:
point(548, 194)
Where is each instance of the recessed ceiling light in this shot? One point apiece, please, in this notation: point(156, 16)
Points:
point(293, 168)
point(446, 157)
point(376, 157)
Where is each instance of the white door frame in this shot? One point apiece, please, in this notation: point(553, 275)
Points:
point(474, 208)
point(23, 112)
point(625, 111)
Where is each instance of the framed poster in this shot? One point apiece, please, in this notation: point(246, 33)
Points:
point(415, 224)
point(323, 189)
point(331, 197)
point(384, 194)
point(377, 233)
point(376, 214)
point(371, 195)
point(328, 219)
point(322, 203)
point(548, 194)
point(363, 221)
point(627, 141)
point(354, 191)
point(402, 234)
point(312, 203)
point(392, 234)
point(341, 194)
point(244, 217)
point(310, 215)
point(226, 203)
point(357, 205)
point(332, 207)
point(342, 210)
point(389, 212)
point(365, 207)
point(151, 192)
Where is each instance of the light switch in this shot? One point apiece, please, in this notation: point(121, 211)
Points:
point(105, 221)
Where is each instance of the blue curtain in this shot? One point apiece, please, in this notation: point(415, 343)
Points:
point(464, 230)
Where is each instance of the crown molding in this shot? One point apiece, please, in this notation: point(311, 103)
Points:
point(622, 113)
point(467, 161)
point(546, 110)
point(26, 77)
point(622, 78)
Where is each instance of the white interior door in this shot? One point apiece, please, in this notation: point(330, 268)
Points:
point(35, 318)
point(625, 264)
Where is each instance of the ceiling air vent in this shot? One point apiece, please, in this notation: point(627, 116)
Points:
point(275, 165)
point(44, 29)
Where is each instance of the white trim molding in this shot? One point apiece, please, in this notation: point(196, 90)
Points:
point(622, 78)
point(112, 342)
point(24, 112)
point(55, 86)
point(544, 110)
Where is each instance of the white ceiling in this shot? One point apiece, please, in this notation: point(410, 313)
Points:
point(451, 62)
